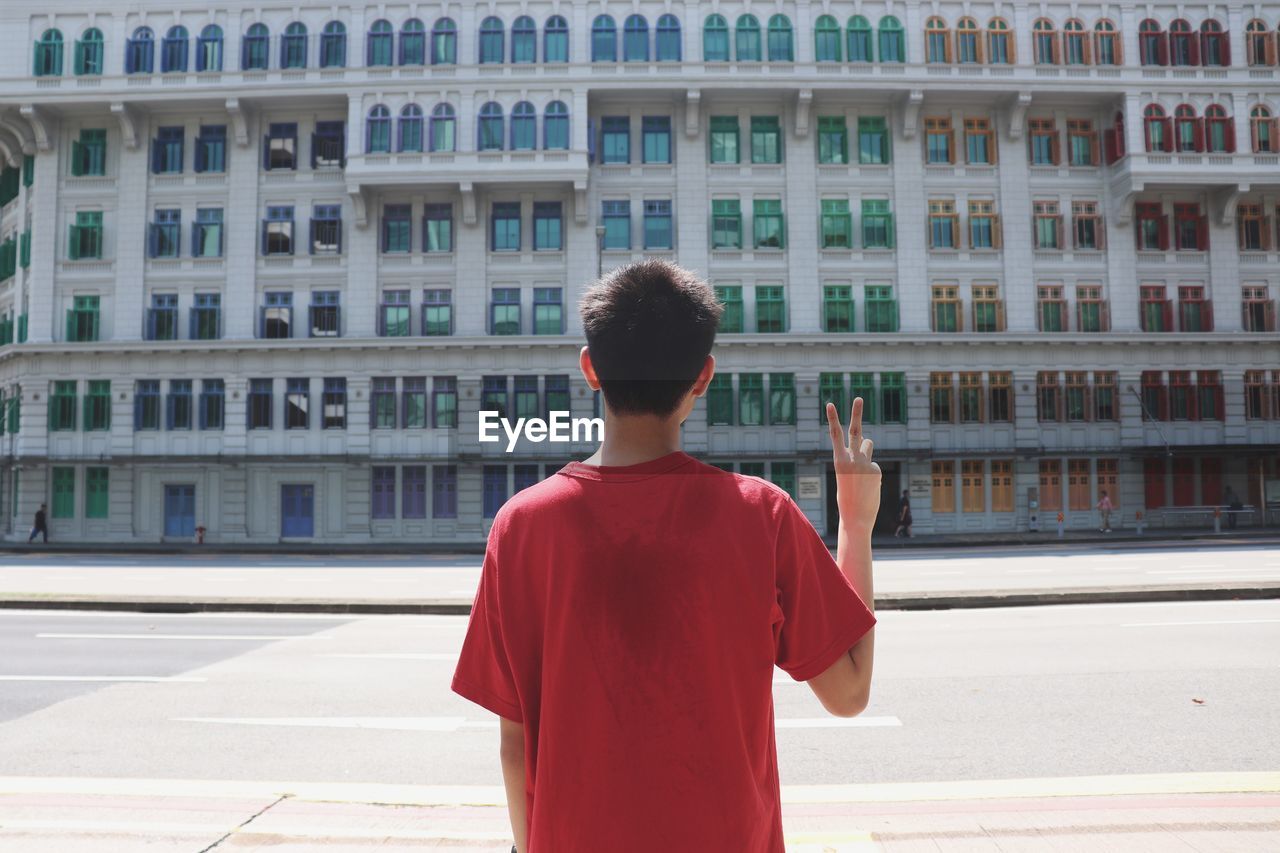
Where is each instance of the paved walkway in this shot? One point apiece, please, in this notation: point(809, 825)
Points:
point(1208, 812)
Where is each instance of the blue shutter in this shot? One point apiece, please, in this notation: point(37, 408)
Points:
point(156, 148)
point(591, 140)
point(130, 66)
point(313, 149)
point(266, 152)
point(152, 240)
point(200, 164)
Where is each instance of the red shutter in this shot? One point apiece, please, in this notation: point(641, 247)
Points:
point(1224, 47)
point(1168, 133)
point(1193, 49)
point(1109, 148)
point(1146, 130)
point(1162, 49)
point(1202, 233)
point(1229, 134)
point(1164, 233)
point(1198, 135)
point(1271, 316)
point(1206, 316)
point(1166, 310)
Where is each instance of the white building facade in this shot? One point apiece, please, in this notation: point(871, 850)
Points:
point(262, 265)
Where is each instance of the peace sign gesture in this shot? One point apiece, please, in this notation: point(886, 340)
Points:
point(857, 477)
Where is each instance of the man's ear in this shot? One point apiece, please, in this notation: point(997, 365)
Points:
point(588, 369)
point(704, 377)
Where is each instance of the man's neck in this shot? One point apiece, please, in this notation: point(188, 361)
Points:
point(635, 439)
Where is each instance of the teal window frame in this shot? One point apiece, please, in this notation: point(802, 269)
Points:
point(881, 313)
point(62, 406)
point(837, 308)
point(720, 400)
point(766, 140)
point(726, 223)
point(893, 398)
point(64, 492)
point(97, 491)
point(782, 399)
point(751, 399)
point(836, 225)
point(831, 389)
point(733, 319)
point(833, 140)
point(874, 146)
point(768, 225)
point(724, 142)
point(771, 309)
point(877, 224)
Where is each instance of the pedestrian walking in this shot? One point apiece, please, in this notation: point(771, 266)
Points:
point(41, 525)
point(1104, 510)
point(1234, 505)
point(904, 515)
point(632, 607)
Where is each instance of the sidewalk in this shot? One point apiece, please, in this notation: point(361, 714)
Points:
point(1043, 537)
point(1236, 812)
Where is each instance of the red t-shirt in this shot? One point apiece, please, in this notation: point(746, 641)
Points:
point(631, 618)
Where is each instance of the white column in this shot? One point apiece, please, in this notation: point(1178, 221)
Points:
point(1018, 287)
point(909, 217)
point(45, 228)
point(240, 245)
point(132, 219)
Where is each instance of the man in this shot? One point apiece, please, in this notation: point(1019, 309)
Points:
point(632, 608)
point(1234, 506)
point(41, 525)
point(1104, 509)
point(904, 515)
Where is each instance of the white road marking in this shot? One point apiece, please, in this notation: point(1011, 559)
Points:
point(1027, 571)
point(149, 679)
point(447, 656)
point(939, 574)
point(455, 724)
point(1205, 622)
point(253, 637)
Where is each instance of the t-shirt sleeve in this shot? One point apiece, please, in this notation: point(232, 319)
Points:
point(484, 674)
point(822, 615)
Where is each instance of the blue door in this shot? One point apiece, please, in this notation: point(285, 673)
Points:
point(297, 509)
point(179, 510)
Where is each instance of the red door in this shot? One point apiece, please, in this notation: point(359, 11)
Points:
point(1211, 480)
point(1184, 482)
point(1153, 482)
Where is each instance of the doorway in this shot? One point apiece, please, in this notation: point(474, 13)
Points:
point(180, 510)
point(297, 510)
point(890, 490)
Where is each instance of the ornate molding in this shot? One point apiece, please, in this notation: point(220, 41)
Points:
point(1124, 205)
point(9, 152)
point(911, 112)
point(1018, 114)
point(1228, 198)
point(239, 122)
point(804, 101)
point(692, 113)
point(128, 123)
point(359, 206)
point(21, 131)
point(39, 126)
point(580, 202)
point(468, 203)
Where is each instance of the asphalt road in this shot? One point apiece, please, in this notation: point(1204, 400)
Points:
point(974, 694)
point(454, 578)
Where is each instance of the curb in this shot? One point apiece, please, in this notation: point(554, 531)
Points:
point(461, 607)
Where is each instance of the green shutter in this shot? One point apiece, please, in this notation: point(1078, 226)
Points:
point(64, 492)
point(96, 501)
point(77, 158)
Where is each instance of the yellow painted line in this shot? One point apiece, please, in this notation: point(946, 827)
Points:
point(493, 795)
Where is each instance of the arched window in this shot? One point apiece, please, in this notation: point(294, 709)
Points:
point(48, 56)
point(444, 126)
point(491, 47)
point(555, 40)
point(747, 38)
point(411, 128)
point(999, 42)
point(293, 46)
point(1158, 133)
point(667, 40)
point(444, 42)
point(604, 39)
point(140, 53)
point(859, 35)
point(254, 48)
point(1045, 41)
point(209, 49)
point(1215, 48)
point(715, 39)
point(1188, 129)
point(489, 129)
point(1075, 45)
point(635, 39)
point(1264, 131)
point(1184, 46)
point(555, 127)
point(937, 40)
point(892, 42)
point(413, 43)
point(1106, 44)
point(780, 45)
point(174, 50)
point(1220, 137)
point(378, 131)
point(524, 127)
point(1260, 44)
point(380, 44)
point(1153, 43)
point(524, 40)
point(826, 39)
point(89, 52)
point(333, 45)
point(968, 42)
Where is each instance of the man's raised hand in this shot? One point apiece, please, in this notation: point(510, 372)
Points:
point(857, 477)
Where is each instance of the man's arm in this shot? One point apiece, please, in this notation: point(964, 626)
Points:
point(845, 687)
point(513, 776)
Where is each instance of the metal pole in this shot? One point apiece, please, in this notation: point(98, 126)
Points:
point(599, 251)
